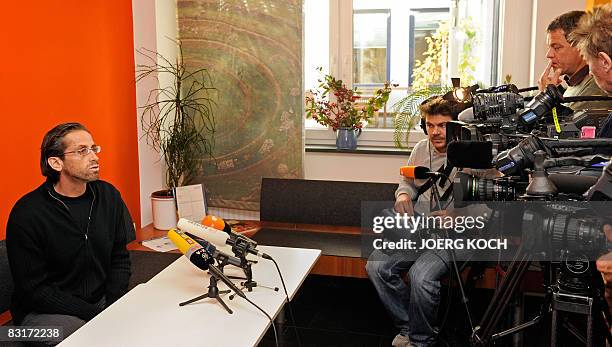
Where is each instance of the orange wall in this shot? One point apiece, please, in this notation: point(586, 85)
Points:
point(66, 60)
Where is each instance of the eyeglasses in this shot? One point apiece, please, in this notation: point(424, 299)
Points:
point(86, 150)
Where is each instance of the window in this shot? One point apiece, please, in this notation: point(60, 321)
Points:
point(368, 42)
point(424, 22)
point(371, 46)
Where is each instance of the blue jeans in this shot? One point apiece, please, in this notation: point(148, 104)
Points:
point(69, 324)
point(413, 307)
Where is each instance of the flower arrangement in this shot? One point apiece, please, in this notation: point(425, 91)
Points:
point(336, 106)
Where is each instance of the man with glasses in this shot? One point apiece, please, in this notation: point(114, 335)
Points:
point(66, 240)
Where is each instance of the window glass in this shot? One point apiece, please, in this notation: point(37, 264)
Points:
point(370, 47)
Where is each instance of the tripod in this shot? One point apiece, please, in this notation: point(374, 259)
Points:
point(436, 206)
point(557, 300)
point(213, 293)
point(246, 266)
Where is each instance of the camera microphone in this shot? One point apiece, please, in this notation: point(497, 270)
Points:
point(418, 172)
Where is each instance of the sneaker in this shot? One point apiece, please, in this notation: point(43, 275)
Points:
point(401, 341)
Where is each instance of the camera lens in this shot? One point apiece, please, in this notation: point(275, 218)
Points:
point(470, 188)
point(539, 106)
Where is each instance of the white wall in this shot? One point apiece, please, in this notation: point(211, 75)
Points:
point(544, 11)
point(515, 45)
point(151, 178)
point(167, 34)
point(353, 167)
point(155, 26)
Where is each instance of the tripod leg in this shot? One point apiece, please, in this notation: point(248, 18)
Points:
point(224, 305)
point(553, 329)
point(590, 329)
point(204, 296)
point(460, 283)
point(508, 286)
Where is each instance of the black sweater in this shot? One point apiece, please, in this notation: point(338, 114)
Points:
point(57, 266)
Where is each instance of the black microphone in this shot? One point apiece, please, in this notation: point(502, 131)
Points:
point(215, 253)
point(200, 257)
point(470, 154)
point(235, 240)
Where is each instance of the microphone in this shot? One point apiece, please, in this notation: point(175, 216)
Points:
point(211, 235)
point(470, 154)
point(238, 241)
point(215, 253)
point(217, 223)
point(200, 257)
point(417, 172)
point(221, 239)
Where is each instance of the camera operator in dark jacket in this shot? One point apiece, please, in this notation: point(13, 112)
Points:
point(66, 240)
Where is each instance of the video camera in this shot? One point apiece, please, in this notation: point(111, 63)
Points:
point(499, 116)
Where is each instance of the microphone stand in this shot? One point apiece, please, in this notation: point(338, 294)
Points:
point(213, 293)
point(246, 266)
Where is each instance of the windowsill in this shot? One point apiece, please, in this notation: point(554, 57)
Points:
point(358, 150)
point(375, 139)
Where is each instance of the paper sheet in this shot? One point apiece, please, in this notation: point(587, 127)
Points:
point(160, 244)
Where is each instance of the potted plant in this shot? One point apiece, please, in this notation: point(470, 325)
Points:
point(178, 122)
point(336, 106)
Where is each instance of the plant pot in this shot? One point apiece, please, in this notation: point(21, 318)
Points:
point(164, 210)
point(346, 138)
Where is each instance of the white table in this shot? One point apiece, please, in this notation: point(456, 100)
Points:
point(149, 315)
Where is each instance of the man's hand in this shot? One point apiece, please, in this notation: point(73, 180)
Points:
point(604, 263)
point(546, 78)
point(403, 204)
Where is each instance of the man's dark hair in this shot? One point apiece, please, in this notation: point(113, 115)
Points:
point(566, 22)
point(437, 104)
point(53, 146)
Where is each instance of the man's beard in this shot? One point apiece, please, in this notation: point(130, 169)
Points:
point(87, 175)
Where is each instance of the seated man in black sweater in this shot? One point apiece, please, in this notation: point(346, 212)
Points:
point(66, 240)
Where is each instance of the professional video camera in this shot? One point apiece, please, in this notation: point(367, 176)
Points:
point(498, 116)
point(563, 231)
point(504, 107)
point(496, 105)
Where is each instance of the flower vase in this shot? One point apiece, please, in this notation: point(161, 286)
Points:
point(346, 138)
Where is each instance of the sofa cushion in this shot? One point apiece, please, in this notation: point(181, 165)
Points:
point(319, 202)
